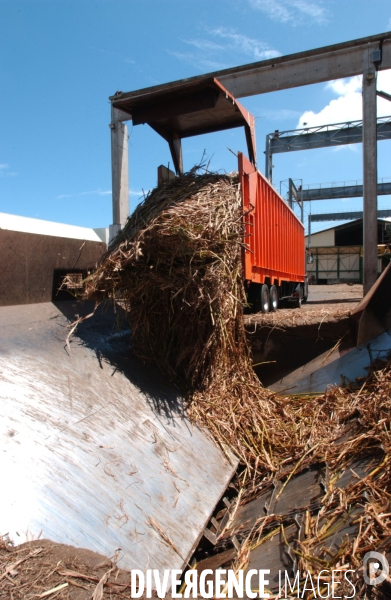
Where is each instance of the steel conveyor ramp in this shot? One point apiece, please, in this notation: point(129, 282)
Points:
point(95, 450)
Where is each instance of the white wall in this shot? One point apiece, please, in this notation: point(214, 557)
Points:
point(322, 238)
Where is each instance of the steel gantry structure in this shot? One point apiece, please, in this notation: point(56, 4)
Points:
point(333, 192)
point(322, 136)
point(348, 215)
point(364, 56)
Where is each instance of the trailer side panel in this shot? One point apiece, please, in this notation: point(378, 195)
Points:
point(274, 236)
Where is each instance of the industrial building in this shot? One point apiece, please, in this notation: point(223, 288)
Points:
point(336, 253)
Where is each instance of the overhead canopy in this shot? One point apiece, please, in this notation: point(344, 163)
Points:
point(193, 108)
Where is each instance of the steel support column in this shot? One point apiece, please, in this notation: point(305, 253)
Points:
point(268, 160)
point(119, 171)
point(290, 193)
point(369, 171)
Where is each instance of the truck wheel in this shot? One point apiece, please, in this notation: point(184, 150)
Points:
point(273, 293)
point(265, 299)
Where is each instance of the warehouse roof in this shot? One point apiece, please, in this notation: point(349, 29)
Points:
point(39, 226)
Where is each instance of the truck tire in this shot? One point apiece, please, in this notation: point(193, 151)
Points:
point(265, 299)
point(273, 293)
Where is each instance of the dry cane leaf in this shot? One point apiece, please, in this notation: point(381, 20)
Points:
point(53, 590)
point(98, 592)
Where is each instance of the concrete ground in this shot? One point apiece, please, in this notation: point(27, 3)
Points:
point(325, 303)
point(338, 294)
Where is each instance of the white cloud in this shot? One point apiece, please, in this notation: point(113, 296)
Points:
point(137, 193)
point(342, 87)
point(384, 84)
point(294, 12)
point(5, 170)
point(281, 114)
point(349, 147)
point(97, 192)
point(343, 109)
point(212, 54)
point(347, 106)
point(198, 61)
point(202, 44)
point(242, 43)
point(309, 9)
point(275, 10)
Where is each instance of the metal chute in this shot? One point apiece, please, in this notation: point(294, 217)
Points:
point(372, 316)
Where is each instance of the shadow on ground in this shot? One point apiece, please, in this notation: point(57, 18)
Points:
point(107, 333)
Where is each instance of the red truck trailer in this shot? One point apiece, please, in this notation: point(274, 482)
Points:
point(274, 256)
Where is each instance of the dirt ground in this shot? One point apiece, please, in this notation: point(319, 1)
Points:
point(337, 294)
point(289, 338)
point(43, 569)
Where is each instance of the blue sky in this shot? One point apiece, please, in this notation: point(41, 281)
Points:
point(62, 59)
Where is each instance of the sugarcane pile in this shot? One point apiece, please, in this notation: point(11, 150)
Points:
point(176, 268)
point(352, 515)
